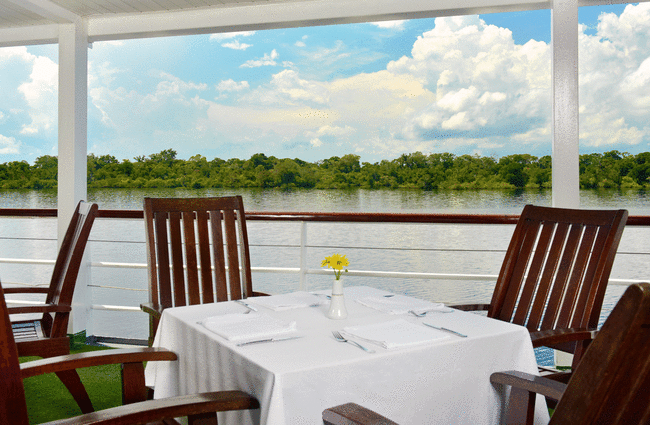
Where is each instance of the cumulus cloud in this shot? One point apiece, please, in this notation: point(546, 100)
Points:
point(231, 40)
point(398, 25)
point(231, 85)
point(615, 80)
point(172, 86)
point(267, 60)
point(464, 87)
point(236, 45)
point(9, 145)
point(39, 91)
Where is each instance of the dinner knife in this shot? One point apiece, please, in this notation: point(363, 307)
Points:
point(245, 304)
point(446, 330)
point(280, 338)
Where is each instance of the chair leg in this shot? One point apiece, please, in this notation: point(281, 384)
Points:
point(71, 380)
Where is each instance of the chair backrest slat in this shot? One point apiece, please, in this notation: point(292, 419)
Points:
point(233, 255)
point(202, 231)
point(178, 265)
point(219, 256)
point(191, 261)
point(162, 268)
point(198, 250)
point(557, 266)
point(67, 265)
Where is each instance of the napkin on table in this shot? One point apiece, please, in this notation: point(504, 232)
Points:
point(288, 301)
point(401, 304)
point(250, 326)
point(395, 333)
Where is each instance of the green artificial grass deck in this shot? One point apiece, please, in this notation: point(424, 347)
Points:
point(49, 400)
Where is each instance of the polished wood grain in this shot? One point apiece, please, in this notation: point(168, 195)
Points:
point(199, 408)
point(353, 414)
point(47, 336)
point(197, 252)
point(555, 273)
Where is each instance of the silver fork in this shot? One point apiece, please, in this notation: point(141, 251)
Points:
point(341, 338)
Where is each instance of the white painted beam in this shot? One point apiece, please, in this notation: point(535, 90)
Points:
point(566, 166)
point(28, 36)
point(73, 146)
point(257, 16)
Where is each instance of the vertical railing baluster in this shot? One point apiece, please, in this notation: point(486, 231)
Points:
point(303, 254)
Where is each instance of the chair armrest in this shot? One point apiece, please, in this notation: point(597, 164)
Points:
point(531, 383)
point(559, 336)
point(27, 290)
point(94, 358)
point(153, 309)
point(40, 308)
point(155, 410)
point(471, 307)
point(353, 414)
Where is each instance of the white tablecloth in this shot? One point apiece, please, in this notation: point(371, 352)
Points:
point(442, 382)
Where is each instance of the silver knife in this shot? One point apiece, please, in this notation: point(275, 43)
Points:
point(446, 330)
point(280, 338)
point(245, 304)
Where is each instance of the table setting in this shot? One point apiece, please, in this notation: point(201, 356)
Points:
point(284, 350)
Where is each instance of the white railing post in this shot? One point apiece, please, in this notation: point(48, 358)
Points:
point(303, 254)
point(566, 155)
point(72, 148)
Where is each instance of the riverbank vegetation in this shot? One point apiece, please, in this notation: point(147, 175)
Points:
point(612, 169)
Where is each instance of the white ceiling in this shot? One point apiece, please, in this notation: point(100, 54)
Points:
point(24, 22)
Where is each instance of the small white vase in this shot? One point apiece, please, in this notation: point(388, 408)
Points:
point(337, 308)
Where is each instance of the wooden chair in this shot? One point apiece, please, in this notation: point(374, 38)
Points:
point(199, 407)
point(47, 336)
point(555, 273)
point(611, 384)
point(185, 253)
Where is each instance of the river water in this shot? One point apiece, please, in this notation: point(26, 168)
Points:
point(445, 248)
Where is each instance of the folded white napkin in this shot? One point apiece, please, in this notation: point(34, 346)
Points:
point(395, 333)
point(288, 301)
point(254, 325)
point(401, 304)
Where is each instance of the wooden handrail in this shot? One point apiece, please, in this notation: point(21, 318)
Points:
point(635, 220)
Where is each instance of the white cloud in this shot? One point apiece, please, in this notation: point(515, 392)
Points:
point(464, 87)
point(172, 86)
point(9, 146)
point(19, 52)
point(267, 60)
point(615, 80)
point(41, 94)
point(399, 25)
point(232, 86)
point(228, 35)
point(236, 45)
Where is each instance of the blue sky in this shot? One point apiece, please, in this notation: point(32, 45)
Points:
point(466, 85)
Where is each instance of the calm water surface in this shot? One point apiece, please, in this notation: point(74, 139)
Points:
point(466, 249)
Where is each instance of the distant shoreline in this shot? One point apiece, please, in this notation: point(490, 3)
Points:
point(438, 171)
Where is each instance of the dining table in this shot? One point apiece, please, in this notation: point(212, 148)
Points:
point(421, 362)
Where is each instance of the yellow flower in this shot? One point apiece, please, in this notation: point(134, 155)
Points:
point(337, 262)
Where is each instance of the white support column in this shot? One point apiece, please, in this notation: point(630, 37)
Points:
point(564, 42)
point(72, 153)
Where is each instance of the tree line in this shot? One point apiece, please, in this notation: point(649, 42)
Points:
point(416, 170)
